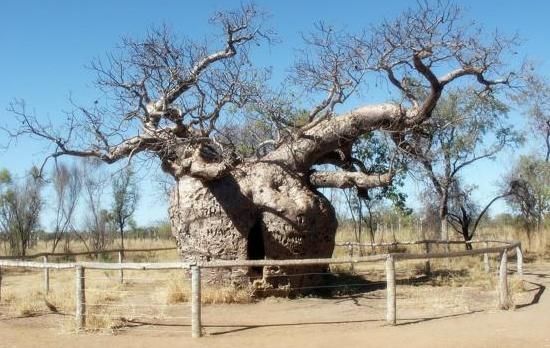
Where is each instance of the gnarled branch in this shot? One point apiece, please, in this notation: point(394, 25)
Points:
point(344, 179)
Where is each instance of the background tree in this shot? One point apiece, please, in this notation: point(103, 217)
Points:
point(534, 98)
point(464, 215)
point(466, 127)
point(376, 152)
point(67, 187)
point(125, 200)
point(5, 181)
point(170, 99)
point(533, 200)
point(20, 206)
point(96, 218)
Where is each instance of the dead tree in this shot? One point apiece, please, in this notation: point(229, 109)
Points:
point(179, 98)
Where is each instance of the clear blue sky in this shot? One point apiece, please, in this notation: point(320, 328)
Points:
point(46, 45)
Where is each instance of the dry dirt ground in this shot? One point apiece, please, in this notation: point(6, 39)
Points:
point(426, 318)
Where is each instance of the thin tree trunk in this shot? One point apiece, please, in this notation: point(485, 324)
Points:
point(122, 237)
point(443, 209)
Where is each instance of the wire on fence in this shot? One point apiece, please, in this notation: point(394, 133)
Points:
point(121, 300)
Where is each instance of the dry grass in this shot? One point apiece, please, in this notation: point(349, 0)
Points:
point(538, 244)
point(459, 284)
point(77, 246)
point(178, 292)
point(110, 305)
point(225, 295)
point(28, 297)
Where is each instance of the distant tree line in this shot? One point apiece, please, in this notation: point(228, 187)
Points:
point(78, 187)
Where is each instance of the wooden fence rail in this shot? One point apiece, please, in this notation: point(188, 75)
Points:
point(195, 268)
point(85, 253)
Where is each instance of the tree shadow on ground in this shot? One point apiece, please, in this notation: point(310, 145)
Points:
point(334, 285)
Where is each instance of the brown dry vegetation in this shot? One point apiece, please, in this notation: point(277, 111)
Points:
point(456, 285)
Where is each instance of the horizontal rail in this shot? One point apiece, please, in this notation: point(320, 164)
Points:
point(257, 263)
point(431, 241)
point(297, 262)
point(195, 271)
point(493, 250)
point(96, 265)
point(107, 251)
point(81, 253)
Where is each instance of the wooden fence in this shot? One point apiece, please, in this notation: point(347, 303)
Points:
point(47, 256)
point(389, 258)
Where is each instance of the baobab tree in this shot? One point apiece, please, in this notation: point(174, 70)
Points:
point(177, 101)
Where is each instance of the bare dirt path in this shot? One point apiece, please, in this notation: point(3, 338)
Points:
point(322, 323)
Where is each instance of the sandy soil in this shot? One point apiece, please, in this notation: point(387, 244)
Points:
point(424, 321)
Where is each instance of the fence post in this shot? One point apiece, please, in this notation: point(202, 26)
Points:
point(390, 290)
point(486, 260)
point(503, 301)
point(427, 266)
point(196, 330)
point(80, 296)
point(519, 259)
point(120, 259)
point(350, 253)
point(46, 276)
point(0, 283)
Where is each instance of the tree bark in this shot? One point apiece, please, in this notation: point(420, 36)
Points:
point(259, 203)
point(443, 223)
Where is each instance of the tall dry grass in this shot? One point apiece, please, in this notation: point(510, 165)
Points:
point(22, 293)
point(537, 243)
point(77, 246)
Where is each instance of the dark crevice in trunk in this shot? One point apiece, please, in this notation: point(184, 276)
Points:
point(255, 247)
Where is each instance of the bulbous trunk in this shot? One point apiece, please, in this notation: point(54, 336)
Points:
point(259, 210)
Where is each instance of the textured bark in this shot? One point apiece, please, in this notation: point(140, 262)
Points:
point(269, 207)
point(257, 211)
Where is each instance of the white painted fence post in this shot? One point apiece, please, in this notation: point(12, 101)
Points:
point(0, 283)
point(80, 296)
point(519, 260)
point(196, 330)
point(46, 276)
point(503, 301)
point(390, 291)
point(120, 260)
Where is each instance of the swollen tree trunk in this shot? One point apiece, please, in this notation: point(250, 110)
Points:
point(271, 208)
point(258, 211)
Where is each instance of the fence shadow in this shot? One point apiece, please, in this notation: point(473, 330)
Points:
point(410, 321)
point(240, 328)
point(539, 290)
point(335, 285)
